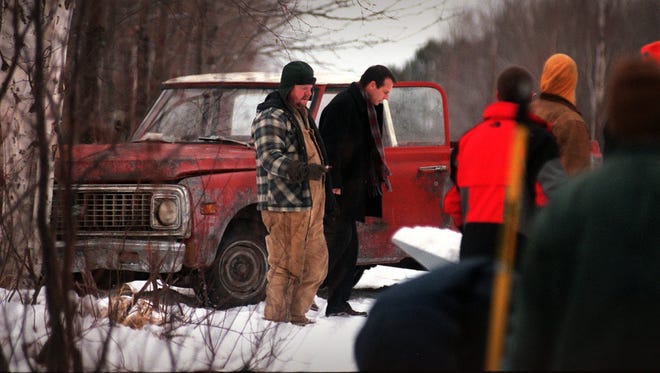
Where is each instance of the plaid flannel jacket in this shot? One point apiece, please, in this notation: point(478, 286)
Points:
point(278, 140)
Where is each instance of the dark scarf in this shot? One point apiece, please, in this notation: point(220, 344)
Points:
point(382, 175)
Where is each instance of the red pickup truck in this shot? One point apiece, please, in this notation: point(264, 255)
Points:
point(179, 198)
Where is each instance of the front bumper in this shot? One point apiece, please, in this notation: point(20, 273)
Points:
point(158, 256)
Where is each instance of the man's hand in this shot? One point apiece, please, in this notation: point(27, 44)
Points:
point(316, 171)
point(299, 171)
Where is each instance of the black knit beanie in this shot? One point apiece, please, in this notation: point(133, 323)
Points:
point(296, 72)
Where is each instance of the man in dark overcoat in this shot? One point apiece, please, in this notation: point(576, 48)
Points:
point(351, 127)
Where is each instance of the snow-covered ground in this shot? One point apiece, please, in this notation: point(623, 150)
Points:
point(208, 339)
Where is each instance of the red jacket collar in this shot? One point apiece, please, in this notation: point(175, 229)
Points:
point(504, 110)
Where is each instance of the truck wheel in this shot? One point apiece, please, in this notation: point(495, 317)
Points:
point(238, 274)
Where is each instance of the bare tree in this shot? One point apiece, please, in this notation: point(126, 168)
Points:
point(124, 49)
point(31, 111)
point(36, 68)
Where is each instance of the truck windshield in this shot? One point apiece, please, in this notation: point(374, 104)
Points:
point(197, 114)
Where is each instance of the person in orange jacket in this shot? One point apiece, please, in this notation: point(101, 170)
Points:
point(557, 105)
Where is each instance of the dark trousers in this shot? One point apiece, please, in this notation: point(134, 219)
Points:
point(341, 237)
point(483, 240)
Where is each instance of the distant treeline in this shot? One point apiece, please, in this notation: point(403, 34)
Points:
point(483, 42)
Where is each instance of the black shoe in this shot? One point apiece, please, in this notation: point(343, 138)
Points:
point(345, 310)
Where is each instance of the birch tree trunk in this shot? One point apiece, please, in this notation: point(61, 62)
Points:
point(598, 89)
point(24, 161)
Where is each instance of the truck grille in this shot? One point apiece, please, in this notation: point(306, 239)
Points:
point(97, 211)
point(111, 210)
point(106, 211)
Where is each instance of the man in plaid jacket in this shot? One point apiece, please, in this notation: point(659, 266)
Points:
point(291, 168)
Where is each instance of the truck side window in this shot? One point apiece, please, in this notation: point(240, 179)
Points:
point(417, 117)
point(244, 110)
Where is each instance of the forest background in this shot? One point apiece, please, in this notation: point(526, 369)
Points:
point(124, 49)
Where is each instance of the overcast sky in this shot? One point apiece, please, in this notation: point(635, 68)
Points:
point(409, 31)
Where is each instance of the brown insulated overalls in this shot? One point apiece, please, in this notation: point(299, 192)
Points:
point(297, 251)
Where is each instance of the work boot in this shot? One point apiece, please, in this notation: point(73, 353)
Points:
point(278, 298)
point(301, 321)
point(276, 320)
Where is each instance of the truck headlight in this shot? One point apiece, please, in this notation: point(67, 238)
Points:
point(167, 212)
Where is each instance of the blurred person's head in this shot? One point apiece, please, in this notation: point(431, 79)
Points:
point(377, 81)
point(633, 103)
point(560, 76)
point(514, 84)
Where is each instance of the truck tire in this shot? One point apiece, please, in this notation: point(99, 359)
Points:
point(238, 274)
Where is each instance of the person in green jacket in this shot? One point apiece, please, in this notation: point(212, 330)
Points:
point(589, 295)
